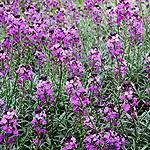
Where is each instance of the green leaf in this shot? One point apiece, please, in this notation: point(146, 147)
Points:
point(145, 147)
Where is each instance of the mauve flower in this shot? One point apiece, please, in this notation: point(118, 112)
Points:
point(4, 127)
point(87, 139)
point(133, 115)
point(10, 140)
point(147, 103)
point(147, 90)
point(106, 109)
point(106, 67)
point(34, 121)
point(25, 71)
point(2, 136)
point(1, 102)
point(9, 130)
point(49, 92)
point(38, 129)
point(134, 102)
point(3, 121)
point(8, 148)
point(43, 121)
point(69, 141)
point(15, 132)
point(122, 97)
point(19, 81)
point(15, 123)
point(35, 139)
point(125, 106)
point(91, 64)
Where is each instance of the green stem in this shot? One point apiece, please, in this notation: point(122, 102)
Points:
point(13, 92)
point(87, 113)
point(136, 134)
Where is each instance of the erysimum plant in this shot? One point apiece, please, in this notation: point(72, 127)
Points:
point(74, 74)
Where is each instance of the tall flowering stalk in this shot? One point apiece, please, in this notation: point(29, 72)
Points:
point(44, 92)
point(147, 75)
point(114, 46)
point(39, 122)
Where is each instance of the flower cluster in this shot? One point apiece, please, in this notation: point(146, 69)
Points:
point(106, 139)
point(110, 15)
point(94, 8)
point(94, 56)
point(39, 56)
point(25, 72)
point(69, 141)
point(135, 25)
point(111, 111)
point(112, 139)
point(72, 82)
point(79, 96)
point(94, 82)
point(127, 96)
point(87, 122)
point(123, 9)
point(38, 122)
point(44, 87)
point(120, 68)
point(79, 100)
point(3, 56)
point(147, 66)
point(76, 66)
point(128, 88)
point(61, 54)
point(8, 126)
point(114, 43)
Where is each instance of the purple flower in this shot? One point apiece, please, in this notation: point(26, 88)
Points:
point(133, 115)
point(125, 106)
point(147, 90)
point(91, 64)
point(43, 121)
point(25, 71)
point(2, 136)
point(87, 139)
point(35, 139)
point(4, 127)
point(34, 121)
point(3, 121)
point(69, 141)
point(1, 102)
point(10, 140)
point(122, 97)
point(15, 132)
point(38, 129)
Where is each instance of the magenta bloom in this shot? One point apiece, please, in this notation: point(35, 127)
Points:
point(15, 132)
point(70, 142)
point(9, 116)
point(125, 106)
point(2, 136)
point(10, 141)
